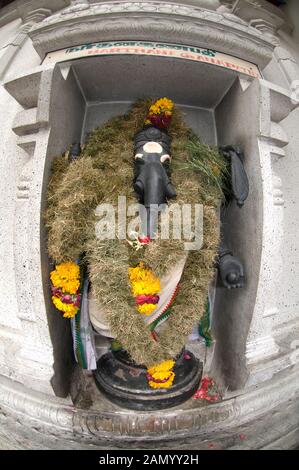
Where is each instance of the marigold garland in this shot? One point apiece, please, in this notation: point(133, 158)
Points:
point(161, 375)
point(66, 288)
point(145, 287)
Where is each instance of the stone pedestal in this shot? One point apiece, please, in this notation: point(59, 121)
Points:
point(126, 384)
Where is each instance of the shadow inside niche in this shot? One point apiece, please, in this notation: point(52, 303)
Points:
point(62, 341)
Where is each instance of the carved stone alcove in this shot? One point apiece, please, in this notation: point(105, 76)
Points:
point(60, 104)
point(73, 98)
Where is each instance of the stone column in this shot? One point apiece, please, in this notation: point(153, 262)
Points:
point(247, 322)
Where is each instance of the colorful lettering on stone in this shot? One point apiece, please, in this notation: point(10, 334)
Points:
point(177, 51)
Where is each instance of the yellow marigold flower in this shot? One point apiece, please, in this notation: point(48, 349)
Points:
point(143, 281)
point(162, 371)
point(67, 277)
point(166, 384)
point(160, 106)
point(69, 310)
point(146, 287)
point(164, 366)
point(146, 309)
point(165, 103)
point(161, 375)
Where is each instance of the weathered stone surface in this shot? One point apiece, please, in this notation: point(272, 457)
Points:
point(255, 420)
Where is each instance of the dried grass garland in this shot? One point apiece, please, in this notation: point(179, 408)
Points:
point(102, 173)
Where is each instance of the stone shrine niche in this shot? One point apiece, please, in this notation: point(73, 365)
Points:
point(254, 355)
point(68, 100)
point(77, 96)
point(95, 78)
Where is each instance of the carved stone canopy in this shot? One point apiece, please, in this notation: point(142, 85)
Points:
point(153, 21)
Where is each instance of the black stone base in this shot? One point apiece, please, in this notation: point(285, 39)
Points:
point(125, 383)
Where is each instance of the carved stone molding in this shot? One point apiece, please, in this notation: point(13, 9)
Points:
point(30, 19)
point(21, 8)
point(258, 10)
point(154, 21)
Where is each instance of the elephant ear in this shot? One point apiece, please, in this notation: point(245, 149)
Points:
point(239, 179)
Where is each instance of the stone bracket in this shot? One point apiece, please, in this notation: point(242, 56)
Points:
point(259, 13)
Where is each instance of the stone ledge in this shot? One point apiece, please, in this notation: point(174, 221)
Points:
point(59, 417)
